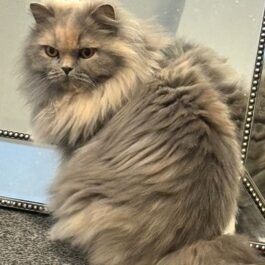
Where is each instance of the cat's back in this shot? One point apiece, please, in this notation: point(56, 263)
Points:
point(188, 64)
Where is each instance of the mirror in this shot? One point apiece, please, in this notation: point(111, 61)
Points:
point(232, 28)
point(28, 181)
point(253, 144)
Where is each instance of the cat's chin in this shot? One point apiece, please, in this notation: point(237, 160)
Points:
point(73, 85)
point(68, 84)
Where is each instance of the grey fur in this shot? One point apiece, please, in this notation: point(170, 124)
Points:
point(153, 177)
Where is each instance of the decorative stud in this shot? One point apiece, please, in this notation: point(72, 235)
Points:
point(15, 135)
point(28, 206)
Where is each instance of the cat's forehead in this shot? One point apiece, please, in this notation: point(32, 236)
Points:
point(67, 35)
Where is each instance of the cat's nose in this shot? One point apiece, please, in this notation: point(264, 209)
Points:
point(67, 70)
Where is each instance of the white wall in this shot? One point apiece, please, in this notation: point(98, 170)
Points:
point(14, 23)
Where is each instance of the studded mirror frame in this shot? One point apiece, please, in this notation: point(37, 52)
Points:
point(247, 181)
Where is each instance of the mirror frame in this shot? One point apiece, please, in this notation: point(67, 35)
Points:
point(247, 180)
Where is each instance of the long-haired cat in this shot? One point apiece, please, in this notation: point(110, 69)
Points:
point(151, 165)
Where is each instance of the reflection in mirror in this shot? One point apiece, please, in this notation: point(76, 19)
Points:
point(26, 170)
point(250, 221)
point(255, 160)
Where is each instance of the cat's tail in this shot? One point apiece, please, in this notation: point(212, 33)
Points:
point(224, 250)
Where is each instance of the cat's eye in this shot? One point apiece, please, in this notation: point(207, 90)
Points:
point(87, 53)
point(51, 52)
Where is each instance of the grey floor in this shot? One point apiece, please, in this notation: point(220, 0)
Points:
point(23, 240)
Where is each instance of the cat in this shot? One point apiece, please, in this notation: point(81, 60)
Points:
point(151, 162)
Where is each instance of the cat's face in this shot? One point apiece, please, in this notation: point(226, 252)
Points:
point(71, 48)
point(84, 59)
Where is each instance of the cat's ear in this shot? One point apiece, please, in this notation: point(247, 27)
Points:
point(105, 15)
point(41, 13)
point(105, 11)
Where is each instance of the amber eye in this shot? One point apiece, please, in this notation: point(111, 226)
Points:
point(87, 53)
point(51, 52)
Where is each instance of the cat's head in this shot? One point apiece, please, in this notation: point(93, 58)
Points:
point(83, 60)
point(74, 46)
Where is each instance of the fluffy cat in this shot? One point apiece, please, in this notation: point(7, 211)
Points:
point(152, 162)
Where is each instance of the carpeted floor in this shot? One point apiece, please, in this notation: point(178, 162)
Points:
point(23, 241)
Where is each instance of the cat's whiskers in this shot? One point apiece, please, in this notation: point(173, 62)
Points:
point(54, 75)
point(84, 78)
